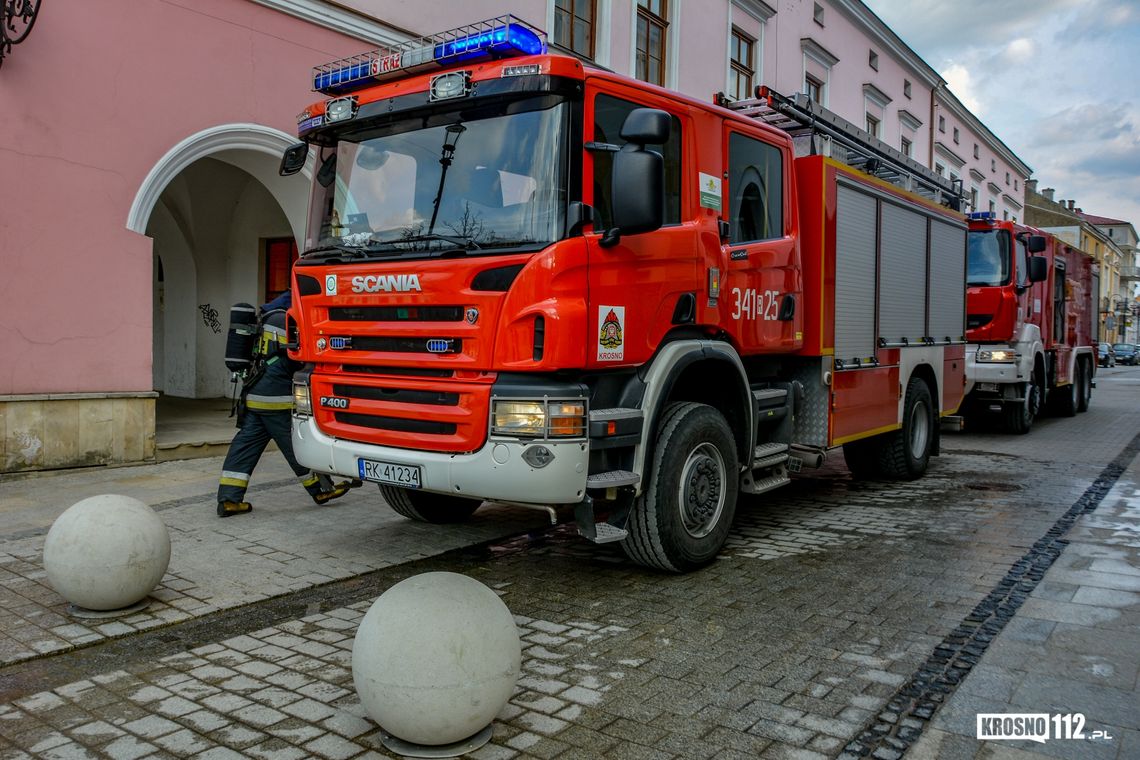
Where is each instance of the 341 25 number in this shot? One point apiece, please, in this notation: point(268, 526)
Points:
point(749, 303)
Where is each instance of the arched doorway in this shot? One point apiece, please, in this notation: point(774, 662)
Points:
point(211, 206)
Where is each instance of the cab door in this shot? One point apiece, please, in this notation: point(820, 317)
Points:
point(761, 290)
point(636, 285)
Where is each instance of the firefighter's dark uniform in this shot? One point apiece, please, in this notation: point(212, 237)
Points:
point(265, 414)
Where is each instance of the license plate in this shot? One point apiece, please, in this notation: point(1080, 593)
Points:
point(404, 475)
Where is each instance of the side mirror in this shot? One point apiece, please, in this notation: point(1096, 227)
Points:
point(646, 126)
point(638, 181)
point(293, 160)
point(1038, 265)
point(1036, 243)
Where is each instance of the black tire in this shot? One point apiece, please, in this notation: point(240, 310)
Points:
point(862, 458)
point(427, 507)
point(1066, 399)
point(1084, 388)
point(1018, 417)
point(905, 453)
point(694, 453)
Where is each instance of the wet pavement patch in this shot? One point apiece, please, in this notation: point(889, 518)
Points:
point(901, 723)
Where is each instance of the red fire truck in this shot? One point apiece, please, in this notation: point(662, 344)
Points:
point(1031, 323)
point(533, 281)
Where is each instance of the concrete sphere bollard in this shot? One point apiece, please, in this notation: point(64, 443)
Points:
point(436, 658)
point(106, 552)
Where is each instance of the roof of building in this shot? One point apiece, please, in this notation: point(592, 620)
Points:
point(1093, 219)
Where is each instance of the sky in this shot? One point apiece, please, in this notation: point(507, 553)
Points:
point(1058, 81)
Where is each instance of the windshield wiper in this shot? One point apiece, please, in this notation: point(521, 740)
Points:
point(463, 242)
point(329, 251)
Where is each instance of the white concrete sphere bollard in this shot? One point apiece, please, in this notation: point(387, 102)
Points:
point(106, 552)
point(436, 658)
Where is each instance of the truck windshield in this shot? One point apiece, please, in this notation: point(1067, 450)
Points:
point(988, 262)
point(480, 183)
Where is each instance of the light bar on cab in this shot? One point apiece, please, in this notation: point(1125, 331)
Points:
point(983, 216)
point(500, 37)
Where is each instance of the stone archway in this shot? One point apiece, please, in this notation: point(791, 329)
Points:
point(208, 206)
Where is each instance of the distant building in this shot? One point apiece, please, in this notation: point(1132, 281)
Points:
point(1114, 256)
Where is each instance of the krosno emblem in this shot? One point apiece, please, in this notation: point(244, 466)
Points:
point(471, 315)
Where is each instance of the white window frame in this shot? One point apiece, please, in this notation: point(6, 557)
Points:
point(821, 57)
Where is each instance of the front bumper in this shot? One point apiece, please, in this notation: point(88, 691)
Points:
point(496, 472)
point(985, 374)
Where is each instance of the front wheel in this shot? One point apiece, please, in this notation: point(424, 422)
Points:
point(1019, 416)
point(905, 453)
point(682, 518)
point(423, 506)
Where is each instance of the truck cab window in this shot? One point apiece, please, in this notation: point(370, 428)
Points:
point(609, 115)
point(756, 188)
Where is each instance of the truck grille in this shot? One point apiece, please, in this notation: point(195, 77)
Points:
point(396, 314)
point(406, 410)
point(407, 345)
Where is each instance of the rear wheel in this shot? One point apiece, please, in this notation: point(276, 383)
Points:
point(905, 453)
point(682, 518)
point(1067, 398)
point(1084, 389)
point(423, 506)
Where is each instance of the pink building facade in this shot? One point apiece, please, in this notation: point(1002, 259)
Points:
point(141, 140)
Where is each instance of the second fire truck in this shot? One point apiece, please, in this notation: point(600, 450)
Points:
point(536, 282)
point(1031, 315)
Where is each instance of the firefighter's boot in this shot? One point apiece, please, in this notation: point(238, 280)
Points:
point(231, 508)
point(336, 491)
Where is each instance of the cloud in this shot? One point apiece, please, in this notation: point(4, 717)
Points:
point(960, 82)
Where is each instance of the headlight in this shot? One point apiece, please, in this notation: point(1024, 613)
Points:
point(997, 355)
point(539, 419)
point(302, 402)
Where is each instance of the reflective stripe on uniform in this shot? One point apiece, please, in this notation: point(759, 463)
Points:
point(255, 401)
point(231, 478)
point(309, 479)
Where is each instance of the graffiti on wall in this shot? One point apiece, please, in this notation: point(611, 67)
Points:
point(210, 317)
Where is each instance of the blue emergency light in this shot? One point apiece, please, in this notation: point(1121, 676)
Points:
point(501, 37)
point(982, 216)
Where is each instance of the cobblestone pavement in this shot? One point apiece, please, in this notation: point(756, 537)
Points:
point(843, 616)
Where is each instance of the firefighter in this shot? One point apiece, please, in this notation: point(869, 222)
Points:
point(264, 413)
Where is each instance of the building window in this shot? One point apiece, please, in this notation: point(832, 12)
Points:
point(1016, 188)
point(817, 14)
point(955, 135)
point(1007, 178)
point(906, 147)
point(651, 27)
point(280, 253)
point(993, 208)
point(814, 89)
point(941, 123)
point(873, 60)
point(974, 198)
point(740, 65)
point(574, 25)
point(976, 154)
point(993, 165)
point(1005, 214)
point(906, 87)
point(872, 126)
point(939, 169)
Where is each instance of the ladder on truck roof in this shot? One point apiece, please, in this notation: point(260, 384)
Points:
point(804, 120)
